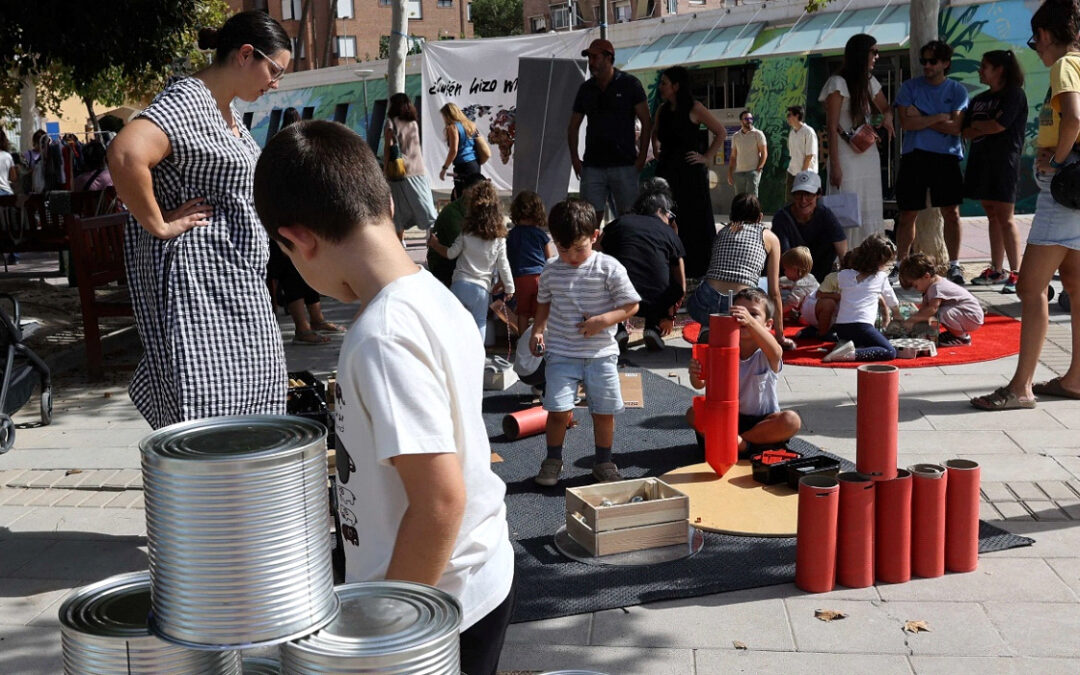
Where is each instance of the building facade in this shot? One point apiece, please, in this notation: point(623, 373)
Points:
point(339, 32)
point(541, 16)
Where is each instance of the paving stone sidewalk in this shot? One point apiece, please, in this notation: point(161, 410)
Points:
point(71, 513)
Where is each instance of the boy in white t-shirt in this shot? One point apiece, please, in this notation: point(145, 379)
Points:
point(582, 295)
point(416, 490)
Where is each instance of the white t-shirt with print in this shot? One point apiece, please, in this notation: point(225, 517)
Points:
point(859, 299)
point(410, 381)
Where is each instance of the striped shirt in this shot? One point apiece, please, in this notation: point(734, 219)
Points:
point(598, 285)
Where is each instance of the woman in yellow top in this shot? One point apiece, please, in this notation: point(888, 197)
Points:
point(1053, 243)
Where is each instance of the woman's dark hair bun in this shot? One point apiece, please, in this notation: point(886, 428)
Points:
point(208, 38)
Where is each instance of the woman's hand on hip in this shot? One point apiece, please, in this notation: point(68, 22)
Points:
point(695, 158)
point(192, 213)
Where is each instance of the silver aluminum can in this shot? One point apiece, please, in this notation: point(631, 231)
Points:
point(103, 631)
point(238, 529)
point(261, 666)
point(385, 627)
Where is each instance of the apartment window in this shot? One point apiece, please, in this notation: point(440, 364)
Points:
point(345, 9)
point(298, 48)
point(290, 9)
point(384, 3)
point(415, 9)
point(672, 6)
point(261, 6)
point(444, 3)
point(697, 2)
point(622, 12)
point(468, 12)
point(346, 47)
point(537, 24)
point(560, 17)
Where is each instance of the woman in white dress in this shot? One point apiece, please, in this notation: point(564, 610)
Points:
point(849, 98)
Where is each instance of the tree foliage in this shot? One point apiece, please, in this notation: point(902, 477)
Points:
point(109, 52)
point(495, 18)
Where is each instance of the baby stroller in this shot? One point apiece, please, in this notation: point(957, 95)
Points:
point(23, 370)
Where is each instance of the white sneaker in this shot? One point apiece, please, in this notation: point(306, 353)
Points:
point(845, 351)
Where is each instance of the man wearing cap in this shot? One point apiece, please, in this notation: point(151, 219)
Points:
point(804, 222)
point(749, 150)
point(614, 155)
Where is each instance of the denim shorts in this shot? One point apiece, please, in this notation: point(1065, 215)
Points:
point(706, 300)
point(600, 377)
point(1054, 224)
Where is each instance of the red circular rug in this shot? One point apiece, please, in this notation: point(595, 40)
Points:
point(999, 337)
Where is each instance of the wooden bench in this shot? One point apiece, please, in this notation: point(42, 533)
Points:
point(36, 222)
point(97, 251)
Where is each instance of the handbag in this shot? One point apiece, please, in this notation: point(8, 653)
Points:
point(861, 139)
point(845, 206)
point(1065, 186)
point(395, 165)
point(481, 148)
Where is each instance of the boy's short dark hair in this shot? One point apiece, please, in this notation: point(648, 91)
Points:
point(323, 176)
point(570, 221)
point(798, 111)
point(757, 295)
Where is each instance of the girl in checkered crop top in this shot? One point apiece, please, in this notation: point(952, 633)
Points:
point(742, 250)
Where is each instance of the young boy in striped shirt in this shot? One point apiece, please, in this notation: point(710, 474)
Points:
point(582, 296)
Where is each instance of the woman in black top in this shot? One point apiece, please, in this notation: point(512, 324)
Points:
point(996, 120)
point(677, 144)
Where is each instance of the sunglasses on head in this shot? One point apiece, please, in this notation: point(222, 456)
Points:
point(932, 62)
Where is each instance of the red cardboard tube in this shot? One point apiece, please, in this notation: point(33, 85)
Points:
point(524, 423)
point(877, 419)
point(722, 379)
point(928, 488)
point(723, 331)
point(962, 515)
point(815, 543)
point(855, 531)
point(720, 427)
point(892, 529)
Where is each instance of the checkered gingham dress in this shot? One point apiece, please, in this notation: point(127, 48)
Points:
point(211, 342)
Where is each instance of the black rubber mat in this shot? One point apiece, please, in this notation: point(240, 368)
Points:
point(649, 441)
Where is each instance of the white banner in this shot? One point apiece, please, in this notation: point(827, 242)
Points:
point(480, 76)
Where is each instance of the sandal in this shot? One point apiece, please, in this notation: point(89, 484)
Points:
point(1053, 388)
point(1002, 399)
point(309, 338)
point(326, 327)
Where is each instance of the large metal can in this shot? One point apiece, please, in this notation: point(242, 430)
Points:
point(385, 627)
point(237, 521)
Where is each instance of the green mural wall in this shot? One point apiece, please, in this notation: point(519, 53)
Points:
point(778, 83)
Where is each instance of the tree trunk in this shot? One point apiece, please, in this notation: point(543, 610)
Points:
point(399, 47)
point(28, 113)
point(929, 225)
point(90, 111)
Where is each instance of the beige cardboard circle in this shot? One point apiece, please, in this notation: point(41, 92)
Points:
point(735, 503)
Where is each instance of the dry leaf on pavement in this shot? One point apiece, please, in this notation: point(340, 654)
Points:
point(916, 627)
point(738, 644)
point(828, 614)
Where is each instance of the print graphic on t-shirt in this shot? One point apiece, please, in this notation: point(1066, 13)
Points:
point(348, 533)
point(345, 466)
point(337, 393)
point(348, 517)
point(345, 496)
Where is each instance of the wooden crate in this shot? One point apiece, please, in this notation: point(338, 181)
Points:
point(659, 520)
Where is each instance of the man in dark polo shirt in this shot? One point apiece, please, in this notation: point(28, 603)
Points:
point(804, 222)
point(645, 242)
point(614, 153)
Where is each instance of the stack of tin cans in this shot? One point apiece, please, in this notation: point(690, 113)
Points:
point(237, 515)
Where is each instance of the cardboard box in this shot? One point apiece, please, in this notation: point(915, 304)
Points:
point(658, 520)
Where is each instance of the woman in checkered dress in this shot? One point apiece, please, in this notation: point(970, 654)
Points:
point(195, 250)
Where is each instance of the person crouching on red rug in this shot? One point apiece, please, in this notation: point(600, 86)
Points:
point(956, 309)
point(761, 421)
point(862, 289)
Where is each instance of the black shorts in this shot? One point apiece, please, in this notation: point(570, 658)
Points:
point(748, 422)
point(921, 171)
point(992, 181)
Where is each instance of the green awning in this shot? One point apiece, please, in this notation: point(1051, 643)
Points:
point(830, 32)
point(703, 46)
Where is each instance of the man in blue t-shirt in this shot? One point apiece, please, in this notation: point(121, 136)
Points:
point(614, 154)
point(931, 113)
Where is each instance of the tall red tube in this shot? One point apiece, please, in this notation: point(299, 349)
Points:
point(962, 515)
point(721, 407)
point(524, 423)
point(855, 531)
point(892, 529)
point(877, 419)
point(815, 544)
point(928, 487)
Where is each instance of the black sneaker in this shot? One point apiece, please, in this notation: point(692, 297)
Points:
point(653, 341)
point(956, 275)
point(947, 339)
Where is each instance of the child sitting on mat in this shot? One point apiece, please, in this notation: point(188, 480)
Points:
point(423, 498)
point(761, 422)
point(956, 309)
point(819, 310)
point(528, 246)
point(796, 284)
point(861, 291)
point(582, 295)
